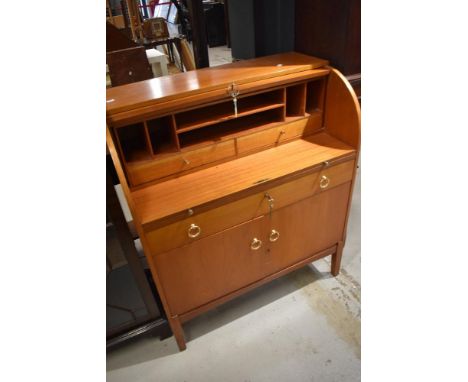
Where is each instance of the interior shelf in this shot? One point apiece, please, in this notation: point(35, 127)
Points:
point(162, 135)
point(296, 100)
point(133, 143)
point(230, 129)
point(315, 96)
point(158, 138)
point(214, 114)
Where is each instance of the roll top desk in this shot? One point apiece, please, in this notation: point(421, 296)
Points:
point(235, 175)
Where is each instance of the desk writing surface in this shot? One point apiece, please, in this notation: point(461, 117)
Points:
point(191, 190)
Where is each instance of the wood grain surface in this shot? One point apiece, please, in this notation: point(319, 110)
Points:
point(142, 172)
point(174, 235)
point(343, 112)
point(207, 269)
point(197, 311)
point(179, 194)
point(194, 163)
point(196, 274)
point(307, 227)
point(157, 108)
point(162, 89)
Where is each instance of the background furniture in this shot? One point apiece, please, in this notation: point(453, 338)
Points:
point(215, 23)
point(133, 306)
point(155, 28)
point(117, 39)
point(331, 29)
point(172, 44)
point(158, 62)
point(324, 28)
point(225, 200)
point(128, 65)
point(261, 27)
point(198, 33)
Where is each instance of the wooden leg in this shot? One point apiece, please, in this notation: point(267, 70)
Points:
point(178, 331)
point(336, 259)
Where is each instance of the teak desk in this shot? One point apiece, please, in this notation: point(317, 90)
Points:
point(222, 202)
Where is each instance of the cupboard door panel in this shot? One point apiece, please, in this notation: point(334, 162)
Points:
point(307, 227)
point(209, 268)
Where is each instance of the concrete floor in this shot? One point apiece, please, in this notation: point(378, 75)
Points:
point(305, 326)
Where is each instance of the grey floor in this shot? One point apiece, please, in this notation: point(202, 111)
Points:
point(305, 326)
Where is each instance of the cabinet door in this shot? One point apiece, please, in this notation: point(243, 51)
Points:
point(209, 268)
point(306, 227)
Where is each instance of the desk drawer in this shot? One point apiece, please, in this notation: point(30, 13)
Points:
point(206, 223)
point(279, 134)
point(181, 162)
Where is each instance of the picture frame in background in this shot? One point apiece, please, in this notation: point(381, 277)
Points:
point(155, 28)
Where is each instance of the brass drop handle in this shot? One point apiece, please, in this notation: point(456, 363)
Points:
point(324, 182)
point(274, 235)
point(256, 244)
point(186, 161)
point(194, 231)
point(280, 135)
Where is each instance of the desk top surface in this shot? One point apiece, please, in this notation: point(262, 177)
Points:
point(195, 189)
point(162, 89)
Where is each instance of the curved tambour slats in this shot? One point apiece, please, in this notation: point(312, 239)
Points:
point(342, 111)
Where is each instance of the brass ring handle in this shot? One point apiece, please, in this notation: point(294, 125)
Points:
point(194, 231)
point(256, 244)
point(274, 235)
point(324, 182)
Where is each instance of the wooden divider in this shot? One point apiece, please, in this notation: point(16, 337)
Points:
point(178, 133)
